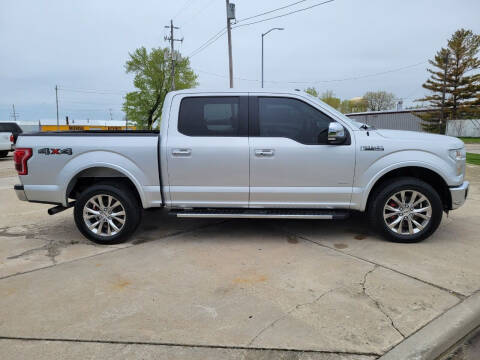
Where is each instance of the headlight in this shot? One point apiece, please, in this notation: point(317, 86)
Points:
point(458, 154)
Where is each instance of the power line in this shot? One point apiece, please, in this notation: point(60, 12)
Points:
point(100, 109)
point(224, 76)
point(270, 11)
point(321, 81)
point(189, 20)
point(209, 42)
point(92, 91)
point(283, 15)
point(68, 101)
point(374, 74)
point(186, 4)
point(222, 32)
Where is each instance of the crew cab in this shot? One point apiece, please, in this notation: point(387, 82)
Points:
point(8, 133)
point(245, 154)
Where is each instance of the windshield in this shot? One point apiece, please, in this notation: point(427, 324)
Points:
point(354, 123)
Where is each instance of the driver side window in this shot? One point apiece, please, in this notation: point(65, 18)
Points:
point(293, 119)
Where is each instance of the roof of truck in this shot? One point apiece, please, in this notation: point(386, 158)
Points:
point(237, 90)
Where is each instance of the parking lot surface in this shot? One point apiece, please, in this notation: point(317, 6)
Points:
point(473, 148)
point(235, 289)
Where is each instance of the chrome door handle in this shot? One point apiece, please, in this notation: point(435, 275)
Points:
point(264, 152)
point(182, 152)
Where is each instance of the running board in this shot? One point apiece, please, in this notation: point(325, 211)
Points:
point(262, 214)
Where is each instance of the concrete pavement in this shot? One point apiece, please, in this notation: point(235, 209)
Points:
point(473, 148)
point(237, 289)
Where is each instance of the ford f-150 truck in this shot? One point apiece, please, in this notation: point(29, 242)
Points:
point(252, 154)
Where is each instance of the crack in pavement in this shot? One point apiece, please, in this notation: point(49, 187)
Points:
point(53, 245)
point(303, 237)
point(154, 343)
point(27, 252)
point(376, 302)
point(296, 307)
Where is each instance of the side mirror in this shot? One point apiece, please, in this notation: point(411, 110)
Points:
point(336, 133)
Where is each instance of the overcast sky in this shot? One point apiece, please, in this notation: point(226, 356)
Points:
point(83, 45)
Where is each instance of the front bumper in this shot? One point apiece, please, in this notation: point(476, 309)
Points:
point(20, 192)
point(459, 195)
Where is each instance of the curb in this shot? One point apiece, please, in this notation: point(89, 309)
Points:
point(441, 334)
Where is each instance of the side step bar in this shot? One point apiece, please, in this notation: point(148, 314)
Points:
point(262, 214)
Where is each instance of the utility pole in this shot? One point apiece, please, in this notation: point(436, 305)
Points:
point(442, 116)
point(172, 40)
point(111, 116)
point(230, 16)
point(14, 113)
point(56, 99)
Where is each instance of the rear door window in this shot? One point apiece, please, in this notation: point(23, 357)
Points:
point(213, 116)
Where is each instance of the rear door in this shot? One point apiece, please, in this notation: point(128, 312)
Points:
point(291, 163)
point(208, 152)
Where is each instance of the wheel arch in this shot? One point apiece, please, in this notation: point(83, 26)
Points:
point(106, 173)
point(422, 173)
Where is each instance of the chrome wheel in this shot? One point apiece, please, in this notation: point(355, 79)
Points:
point(407, 212)
point(104, 215)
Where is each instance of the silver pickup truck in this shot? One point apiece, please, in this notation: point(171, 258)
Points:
point(233, 154)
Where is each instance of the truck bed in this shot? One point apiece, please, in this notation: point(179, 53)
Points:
point(60, 158)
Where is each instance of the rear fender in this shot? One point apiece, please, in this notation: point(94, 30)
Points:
point(115, 162)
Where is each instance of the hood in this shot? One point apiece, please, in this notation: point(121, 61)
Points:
point(403, 135)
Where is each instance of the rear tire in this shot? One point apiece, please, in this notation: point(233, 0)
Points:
point(405, 210)
point(3, 154)
point(107, 213)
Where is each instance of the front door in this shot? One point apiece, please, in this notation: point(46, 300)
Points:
point(207, 151)
point(291, 164)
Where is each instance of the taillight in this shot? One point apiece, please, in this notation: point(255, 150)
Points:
point(12, 140)
point(20, 158)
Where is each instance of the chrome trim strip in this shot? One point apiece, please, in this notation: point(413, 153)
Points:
point(254, 216)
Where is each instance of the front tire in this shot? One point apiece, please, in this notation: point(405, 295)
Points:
point(406, 210)
point(107, 213)
point(3, 154)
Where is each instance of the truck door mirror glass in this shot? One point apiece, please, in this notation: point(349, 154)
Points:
point(336, 133)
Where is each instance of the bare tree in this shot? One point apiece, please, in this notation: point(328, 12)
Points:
point(379, 100)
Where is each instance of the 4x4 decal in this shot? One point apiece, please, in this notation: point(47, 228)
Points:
point(49, 151)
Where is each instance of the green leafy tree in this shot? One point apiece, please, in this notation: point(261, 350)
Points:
point(455, 68)
point(353, 105)
point(379, 100)
point(312, 91)
point(153, 81)
point(346, 106)
point(463, 79)
point(329, 98)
